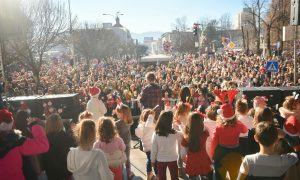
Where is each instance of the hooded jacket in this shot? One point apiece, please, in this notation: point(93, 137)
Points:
point(88, 165)
point(13, 147)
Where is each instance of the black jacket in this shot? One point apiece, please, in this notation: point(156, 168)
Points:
point(55, 160)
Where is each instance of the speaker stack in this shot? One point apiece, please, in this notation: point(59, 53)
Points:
point(68, 103)
point(275, 95)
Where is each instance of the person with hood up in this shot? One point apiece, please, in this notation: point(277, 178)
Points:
point(95, 105)
point(85, 162)
point(13, 146)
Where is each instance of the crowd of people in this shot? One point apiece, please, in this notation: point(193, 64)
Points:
point(127, 78)
point(191, 121)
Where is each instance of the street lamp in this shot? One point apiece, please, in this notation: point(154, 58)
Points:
point(114, 16)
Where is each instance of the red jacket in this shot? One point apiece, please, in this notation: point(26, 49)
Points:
point(198, 163)
point(11, 163)
point(228, 136)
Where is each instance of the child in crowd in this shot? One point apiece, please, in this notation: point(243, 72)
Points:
point(180, 120)
point(261, 114)
point(31, 164)
point(225, 149)
point(13, 146)
point(210, 123)
point(123, 128)
point(266, 164)
point(181, 116)
point(165, 143)
point(291, 111)
point(241, 108)
point(145, 131)
point(85, 115)
point(112, 145)
point(84, 161)
point(55, 160)
point(198, 162)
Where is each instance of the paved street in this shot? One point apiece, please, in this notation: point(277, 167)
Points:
point(138, 161)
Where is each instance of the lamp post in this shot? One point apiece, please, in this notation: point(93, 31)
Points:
point(71, 32)
point(114, 16)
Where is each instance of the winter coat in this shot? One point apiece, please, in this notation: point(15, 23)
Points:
point(145, 132)
point(55, 160)
point(13, 147)
point(87, 165)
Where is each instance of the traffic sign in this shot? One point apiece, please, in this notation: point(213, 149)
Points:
point(272, 66)
point(231, 45)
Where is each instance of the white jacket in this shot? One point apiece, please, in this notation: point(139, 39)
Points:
point(88, 165)
point(96, 107)
point(145, 131)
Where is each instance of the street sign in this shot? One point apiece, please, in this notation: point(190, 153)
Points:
point(272, 66)
point(231, 45)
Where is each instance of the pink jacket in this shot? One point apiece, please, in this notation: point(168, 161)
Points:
point(11, 163)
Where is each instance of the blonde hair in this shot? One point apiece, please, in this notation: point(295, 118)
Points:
point(85, 133)
point(54, 124)
point(85, 115)
point(126, 113)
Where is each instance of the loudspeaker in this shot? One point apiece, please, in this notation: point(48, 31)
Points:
point(69, 103)
point(273, 94)
point(34, 105)
point(294, 16)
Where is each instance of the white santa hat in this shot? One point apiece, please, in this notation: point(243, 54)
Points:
point(6, 120)
point(94, 91)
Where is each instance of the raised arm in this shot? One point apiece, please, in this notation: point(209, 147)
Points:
point(38, 144)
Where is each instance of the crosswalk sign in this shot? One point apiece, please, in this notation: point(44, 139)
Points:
point(272, 66)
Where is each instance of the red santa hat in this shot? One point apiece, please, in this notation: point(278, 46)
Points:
point(94, 91)
point(6, 120)
point(260, 101)
point(226, 112)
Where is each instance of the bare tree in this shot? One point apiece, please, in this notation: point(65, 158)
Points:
point(181, 24)
point(225, 21)
point(94, 42)
point(258, 11)
point(183, 41)
point(273, 15)
point(42, 25)
point(283, 19)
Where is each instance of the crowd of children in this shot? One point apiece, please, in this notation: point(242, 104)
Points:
point(221, 141)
